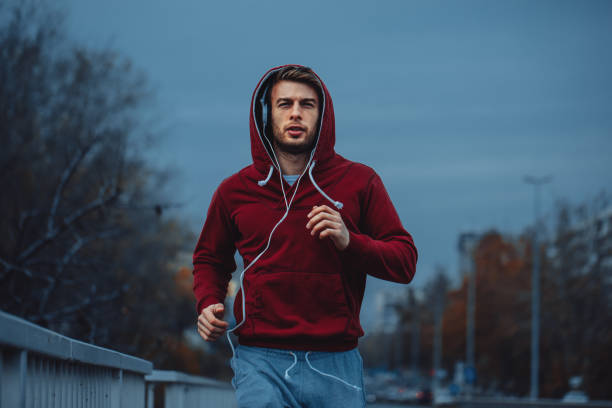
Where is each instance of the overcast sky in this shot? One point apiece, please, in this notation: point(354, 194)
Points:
point(452, 103)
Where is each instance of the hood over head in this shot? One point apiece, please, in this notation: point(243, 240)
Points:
point(260, 144)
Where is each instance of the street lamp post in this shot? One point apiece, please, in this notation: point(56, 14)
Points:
point(467, 266)
point(537, 182)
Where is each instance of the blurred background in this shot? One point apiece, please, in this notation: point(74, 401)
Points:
point(490, 124)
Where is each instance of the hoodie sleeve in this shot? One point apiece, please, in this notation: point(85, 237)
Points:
point(383, 248)
point(213, 258)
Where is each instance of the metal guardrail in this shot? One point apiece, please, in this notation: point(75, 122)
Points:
point(41, 368)
point(180, 390)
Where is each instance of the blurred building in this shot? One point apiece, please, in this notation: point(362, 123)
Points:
point(386, 317)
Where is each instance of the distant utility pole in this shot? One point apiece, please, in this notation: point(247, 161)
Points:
point(439, 292)
point(467, 267)
point(470, 324)
point(414, 345)
point(437, 343)
point(537, 182)
point(389, 331)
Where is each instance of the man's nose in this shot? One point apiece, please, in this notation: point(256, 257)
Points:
point(296, 111)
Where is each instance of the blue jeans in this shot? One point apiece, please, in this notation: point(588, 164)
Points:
point(266, 377)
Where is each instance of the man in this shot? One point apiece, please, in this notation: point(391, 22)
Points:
point(306, 254)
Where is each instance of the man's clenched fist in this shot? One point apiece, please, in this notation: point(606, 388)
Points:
point(326, 222)
point(210, 325)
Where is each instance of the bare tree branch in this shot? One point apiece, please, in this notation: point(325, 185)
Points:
point(73, 308)
point(66, 175)
point(25, 215)
point(99, 202)
point(10, 267)
point(61, 265)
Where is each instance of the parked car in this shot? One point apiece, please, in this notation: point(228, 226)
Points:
point(397, 393)
point(575, 397)
point(443, 396)
point(424, 396)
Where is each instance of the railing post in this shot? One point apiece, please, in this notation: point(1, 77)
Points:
point(23, 376)
point(174, 396)
point(150, 395)
point(1, 374)
point(116, 389)
point(181, 390)
point(13, 379)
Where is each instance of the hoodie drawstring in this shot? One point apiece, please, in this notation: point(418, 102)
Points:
point(337, 204)
point(331, 376)
point(287, 376)
point(295, 360)
point(264, 182)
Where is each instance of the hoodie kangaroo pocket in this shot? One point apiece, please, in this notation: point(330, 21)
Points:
point(291, 304)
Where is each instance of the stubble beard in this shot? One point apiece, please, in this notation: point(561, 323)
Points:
point(291, 148)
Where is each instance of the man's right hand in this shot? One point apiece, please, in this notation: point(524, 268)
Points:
point(210, 325)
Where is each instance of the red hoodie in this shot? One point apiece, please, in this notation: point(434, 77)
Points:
point(302, 293)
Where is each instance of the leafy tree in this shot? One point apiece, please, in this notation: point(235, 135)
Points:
point(502, 314)
point(576, 307)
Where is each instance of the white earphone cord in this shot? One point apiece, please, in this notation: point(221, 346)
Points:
point(288, 207)
point(309, 166)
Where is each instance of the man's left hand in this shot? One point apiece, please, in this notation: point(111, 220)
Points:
point(327, 222)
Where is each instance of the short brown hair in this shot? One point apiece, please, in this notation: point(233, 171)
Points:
point(295, 73)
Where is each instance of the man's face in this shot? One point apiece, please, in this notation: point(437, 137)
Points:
point(294, 113)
